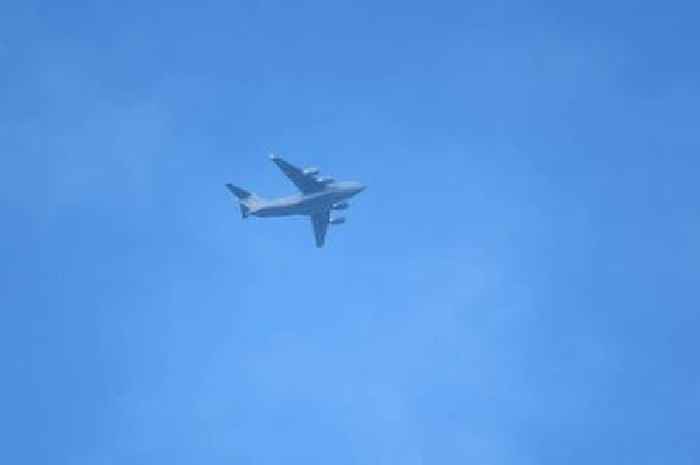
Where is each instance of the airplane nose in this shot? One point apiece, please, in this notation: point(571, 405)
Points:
point(360, 188)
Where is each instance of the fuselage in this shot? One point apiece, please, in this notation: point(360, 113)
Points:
point(308, 204)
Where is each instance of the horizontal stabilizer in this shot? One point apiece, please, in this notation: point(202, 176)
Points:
point(248, 201)
point(238, 191)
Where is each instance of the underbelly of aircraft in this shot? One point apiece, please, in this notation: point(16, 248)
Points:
point(306, 206)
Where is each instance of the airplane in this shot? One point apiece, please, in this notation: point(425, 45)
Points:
point(317, 198)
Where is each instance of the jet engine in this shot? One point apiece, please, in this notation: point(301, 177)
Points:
point(341, 206)
point(311, 171)
point(326, 180)
point(337, 221)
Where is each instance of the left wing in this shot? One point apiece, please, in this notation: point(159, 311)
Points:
point(307, 183)
point(320, 222)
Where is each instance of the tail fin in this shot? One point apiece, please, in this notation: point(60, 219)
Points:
point(246, 199)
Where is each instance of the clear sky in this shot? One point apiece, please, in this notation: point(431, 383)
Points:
point(518, 284)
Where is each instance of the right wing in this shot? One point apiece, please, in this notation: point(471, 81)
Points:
point(306, 183)
point(320, 222)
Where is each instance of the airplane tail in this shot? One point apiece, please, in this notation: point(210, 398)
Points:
point(247, 200)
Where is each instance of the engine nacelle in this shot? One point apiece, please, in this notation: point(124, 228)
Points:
point(326, 180)
point(311, 171)
point(341, 206)
point(337, 221)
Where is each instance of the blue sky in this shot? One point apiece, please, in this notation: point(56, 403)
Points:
point(518, 285)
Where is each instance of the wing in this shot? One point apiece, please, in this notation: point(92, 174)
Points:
point(320, 223)
point(305, 182)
